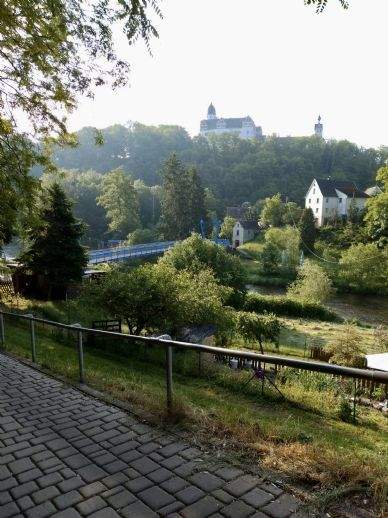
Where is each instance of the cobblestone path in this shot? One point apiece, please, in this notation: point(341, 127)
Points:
point(68, 455)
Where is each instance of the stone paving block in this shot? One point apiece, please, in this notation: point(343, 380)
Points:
point(77, 461)
point(4, 472)
point(168, 510)
point(282, 507)
point(137, 509)
point(41, 511)
point(70, 484)
point(238, 509)
point(92, 489)
point(190, 453)
point(5, 497)
point(29, 452)
point(160, 475)
point(175, 484)
point(172, 449)
point(223, 496)
point(202, 508)
point(241, 485)
point(67, 473)
point(144, 465)
point(50, 480)
point(7, 510)
point(108, 512)
point(24, 489)
point(229, 473)
point(114, 480)
point(121, 499)
point(257, 497)
point(187, 468)
point(125, 446)
point(104, 458)
point(190, 494)
point(139, 484)
point(32, 474)
point(271, 488)
point(67, 513)
point(149, 447)
point(91, 473)
point(155, 497)
point(115, 466)
point(25, 503)
point(206, 481)
point(67, 499)
point(20, 465)
point(130, 456)
point(48, 493)
point(172, 462)
point(91, 505)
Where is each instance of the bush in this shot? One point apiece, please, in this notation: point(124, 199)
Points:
point(283, 306)
point(312, 284)
point(286, 240)
point(252, 327)
point(141, 235)
point(347, 349)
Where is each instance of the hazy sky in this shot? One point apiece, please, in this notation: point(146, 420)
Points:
point(275, 60)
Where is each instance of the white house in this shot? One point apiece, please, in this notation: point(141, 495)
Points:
point(244, 231)
point(332, 199)
point(244, 127)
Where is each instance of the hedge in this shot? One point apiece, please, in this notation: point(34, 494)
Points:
point(283, 306)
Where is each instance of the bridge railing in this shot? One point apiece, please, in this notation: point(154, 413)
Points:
point(171, 345)
point(120, 252)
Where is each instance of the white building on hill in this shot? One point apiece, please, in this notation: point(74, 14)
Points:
point(244, 231)
point(244, 127)
point(332, 199)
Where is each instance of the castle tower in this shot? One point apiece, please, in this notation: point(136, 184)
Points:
point(318, 128)
point(211, 112)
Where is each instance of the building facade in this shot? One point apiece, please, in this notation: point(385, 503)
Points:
point(244, 231)
point(331, 200)
point(244, 127)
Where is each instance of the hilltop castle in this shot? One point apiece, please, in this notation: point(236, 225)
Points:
point(244, 127)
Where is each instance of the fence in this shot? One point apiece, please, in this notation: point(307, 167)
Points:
point(170, 345)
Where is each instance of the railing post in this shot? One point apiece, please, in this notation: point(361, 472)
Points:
point(32, 334)
point(2, 333)
point(169, 378)
point(80, 354)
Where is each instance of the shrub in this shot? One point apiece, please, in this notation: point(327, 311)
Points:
point(347, 348)
point(345, 412)
point(312, 284)
point(270, 259)
point(286, 241)
point(284, 306)
point(141, 235)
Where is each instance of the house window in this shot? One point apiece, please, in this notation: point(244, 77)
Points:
point(316, 210)
point(340, 200)
point(327, 200)
point(317, 200)
point(313, 191)
point(237, 232)
point(309, 200)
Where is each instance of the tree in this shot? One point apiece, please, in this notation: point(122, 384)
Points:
point(291, 213)
point(158, 298)
point(119, 199)
point(272, 211)
point(141, 235)
point(307, 231)
point(55, 251)
point(183, 200)
point(312, 284)
point(376, 216)
point(253, 327)
point(195, 254)
point(321, 4)
point(149, 203)
point(286, 240)
point(270, 258)
point(364, 267)
point(227, 228)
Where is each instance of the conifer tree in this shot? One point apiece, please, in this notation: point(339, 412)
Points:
point(55, 250)
point(183, 200)
point(307, 230)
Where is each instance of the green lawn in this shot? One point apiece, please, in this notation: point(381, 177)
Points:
point(301, 438)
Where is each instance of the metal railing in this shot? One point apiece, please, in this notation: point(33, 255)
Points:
point(169, 345)
point(120, 253)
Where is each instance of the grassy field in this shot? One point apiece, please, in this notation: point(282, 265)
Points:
point(300, 438)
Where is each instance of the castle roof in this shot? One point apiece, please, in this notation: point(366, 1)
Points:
point(328, 188)
point(231, 122)
point(211, 110)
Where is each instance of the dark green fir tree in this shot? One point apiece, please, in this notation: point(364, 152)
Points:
point(55, 252)
point(308, 231)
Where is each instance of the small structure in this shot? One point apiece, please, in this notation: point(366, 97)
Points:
point(244, 231)
point(333, 199)
point(318, 128)
point(244, 127)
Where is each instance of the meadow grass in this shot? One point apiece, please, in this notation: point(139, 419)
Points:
point(301, 437)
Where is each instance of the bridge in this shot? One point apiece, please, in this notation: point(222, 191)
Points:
point(121, 253)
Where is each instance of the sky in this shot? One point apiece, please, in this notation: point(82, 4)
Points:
point(275, 60)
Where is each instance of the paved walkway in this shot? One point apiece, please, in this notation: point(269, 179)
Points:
point(67, 455)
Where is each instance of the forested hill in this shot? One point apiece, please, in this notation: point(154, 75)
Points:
point(236, 170)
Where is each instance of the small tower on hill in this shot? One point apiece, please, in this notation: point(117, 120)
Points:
point(318, 128)
point(211, 112)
